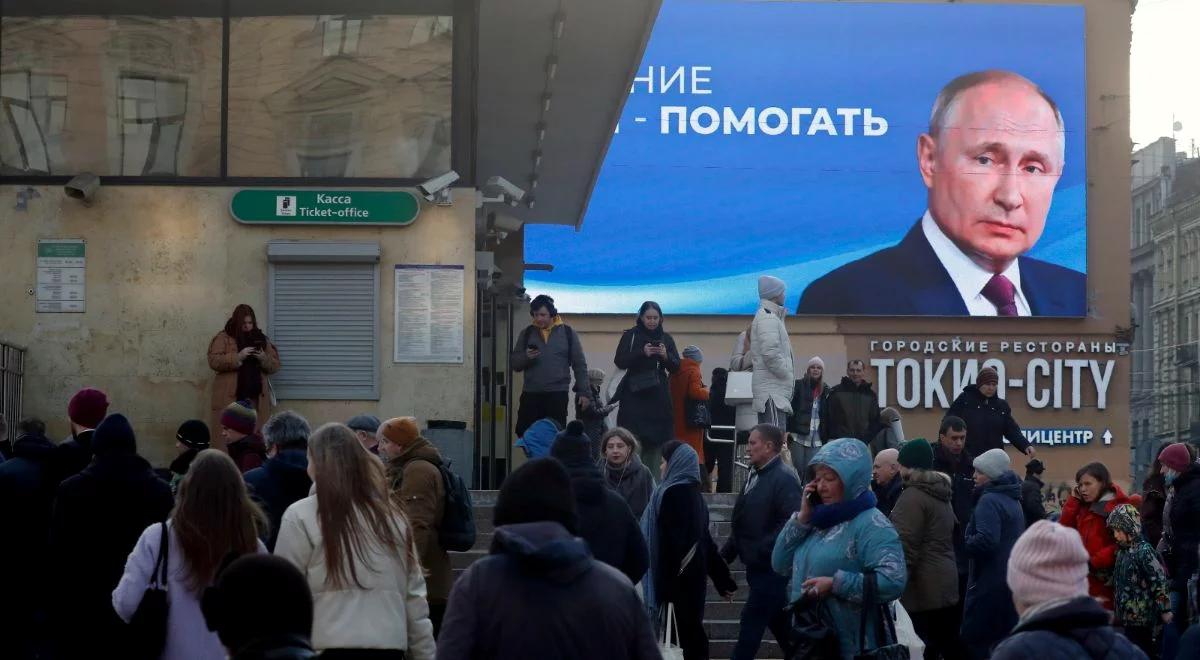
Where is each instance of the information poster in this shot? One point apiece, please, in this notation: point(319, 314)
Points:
point(61, 267)
point(429, 314)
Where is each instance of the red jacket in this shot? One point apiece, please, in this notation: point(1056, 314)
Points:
point(1101, 546)
point(687, 383)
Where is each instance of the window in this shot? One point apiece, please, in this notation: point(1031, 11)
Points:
point(324, 318)
point(356, 97)
point(114, 95)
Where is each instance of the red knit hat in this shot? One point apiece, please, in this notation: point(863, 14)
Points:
point(240, 416)
point(1176, 457)
point(88, 407)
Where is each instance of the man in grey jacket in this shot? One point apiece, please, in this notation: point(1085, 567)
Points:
point(548, 351)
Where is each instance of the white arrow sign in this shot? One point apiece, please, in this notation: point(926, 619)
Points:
point(1107, 437)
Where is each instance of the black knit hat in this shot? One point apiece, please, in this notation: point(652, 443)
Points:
point(538, 491)
point(572, 444)
point(193, 434)
point(1036, 466)
point(256, 597)
point(114, 436)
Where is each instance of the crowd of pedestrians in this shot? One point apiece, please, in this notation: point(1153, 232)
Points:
point(267, 538)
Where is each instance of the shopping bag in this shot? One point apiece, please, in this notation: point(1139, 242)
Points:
point(906, 634)
point(668, 645)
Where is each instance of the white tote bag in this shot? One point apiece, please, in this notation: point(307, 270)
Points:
point(906, 633)
point(668, 646)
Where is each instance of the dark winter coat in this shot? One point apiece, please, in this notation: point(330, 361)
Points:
point(539, 594)
point(682, 524)
point(632, 481)
point(74, 454)
point(606, 522)
point(989, 421)
point(1091, 521)
point(962, 498)
point(1154, 500)
point(646, 413)
point(1184, 540)
point(99, 514)
point(285, 647)
point(802, 405)
point(759, 514)
point(248, 453)
point(887, 495)
point(28, 480)
point(278, 484)
point(1067, 629)
point(996, 524)
point(723, 414)
point(853, 412)
point(1032, 500)
point(925, 522)
point(417, 486)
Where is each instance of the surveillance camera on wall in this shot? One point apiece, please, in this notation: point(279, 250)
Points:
point(437, 189)
point(499, 189)
point(83, 187)
point(507, 223)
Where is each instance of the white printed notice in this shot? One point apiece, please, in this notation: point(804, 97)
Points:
point(61, 265)
point(429, 314)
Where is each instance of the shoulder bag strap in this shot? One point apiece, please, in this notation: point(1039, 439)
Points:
point(164, 551)
point(687, 559)
point(868, 605)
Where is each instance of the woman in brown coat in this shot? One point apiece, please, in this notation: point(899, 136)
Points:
point(688, 383)
point(243, 357)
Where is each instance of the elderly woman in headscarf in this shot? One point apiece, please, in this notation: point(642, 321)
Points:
point(836, 537)
point(687, 384)
point(682, 553)
point(243, 357)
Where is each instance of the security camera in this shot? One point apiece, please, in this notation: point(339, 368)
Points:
point(437, 189)
point(83, 187)
point(499, 189)
point(507, 223)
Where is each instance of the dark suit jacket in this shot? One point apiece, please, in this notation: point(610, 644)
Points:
point(907, 279)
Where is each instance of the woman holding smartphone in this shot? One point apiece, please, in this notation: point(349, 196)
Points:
point(243, 357)
point(648, 356)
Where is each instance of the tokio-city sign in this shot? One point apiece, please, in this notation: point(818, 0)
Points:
point(324, 207)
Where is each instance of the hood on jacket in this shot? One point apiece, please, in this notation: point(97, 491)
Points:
point(545, 549)
point(851, 460)
point(1066, 614)
point(848, 384)
point(936, 484)
point(1126, 519)
point(421, 450)
point(538, 438)
point(1007, 484)
point(771, 307)
point(33, 447)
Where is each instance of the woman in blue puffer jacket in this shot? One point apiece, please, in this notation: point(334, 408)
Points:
point(826, 547)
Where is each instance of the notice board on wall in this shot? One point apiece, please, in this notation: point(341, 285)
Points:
point(430, 313)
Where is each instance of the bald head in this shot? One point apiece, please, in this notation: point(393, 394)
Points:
point(887, 466)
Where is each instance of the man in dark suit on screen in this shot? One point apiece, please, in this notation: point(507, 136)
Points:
point(991, 159)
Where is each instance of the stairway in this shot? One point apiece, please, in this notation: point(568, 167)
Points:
point(720, 618)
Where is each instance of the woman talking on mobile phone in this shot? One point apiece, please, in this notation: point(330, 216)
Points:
point(836, 537)
point(648, 356)
point(243, 357)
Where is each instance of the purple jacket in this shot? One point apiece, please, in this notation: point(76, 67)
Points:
point(188, 637)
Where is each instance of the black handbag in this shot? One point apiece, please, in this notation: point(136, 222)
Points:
point(889, 648)
point(148, 627)
point(697, 414)
point(813, 633)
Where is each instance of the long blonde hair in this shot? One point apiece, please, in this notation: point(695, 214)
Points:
point(354, 507)
point(214, 516)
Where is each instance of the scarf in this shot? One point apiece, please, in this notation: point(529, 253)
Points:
point(655, 334)
point(829, 515)
point(249, 374)
point(683, 468)
point(183, 461)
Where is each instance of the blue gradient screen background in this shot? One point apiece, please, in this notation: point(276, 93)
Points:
point(692, 220)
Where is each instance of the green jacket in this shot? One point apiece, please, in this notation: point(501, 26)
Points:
point(924, 519)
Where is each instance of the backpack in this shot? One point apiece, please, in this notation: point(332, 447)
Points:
point(456, 532)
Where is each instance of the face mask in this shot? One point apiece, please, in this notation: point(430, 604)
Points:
point(1170, 476)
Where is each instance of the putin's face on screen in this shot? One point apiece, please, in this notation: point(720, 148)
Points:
point(991, 168)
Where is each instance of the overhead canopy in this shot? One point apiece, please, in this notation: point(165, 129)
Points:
point(553, 78)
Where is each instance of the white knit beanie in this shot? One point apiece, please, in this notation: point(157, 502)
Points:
point(993, 463)
point(1048, 562)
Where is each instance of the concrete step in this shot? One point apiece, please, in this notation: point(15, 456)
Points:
point(723, 648)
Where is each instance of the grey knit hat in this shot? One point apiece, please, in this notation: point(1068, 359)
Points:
point(692, 352)
point(366, 423)
point(993, 463)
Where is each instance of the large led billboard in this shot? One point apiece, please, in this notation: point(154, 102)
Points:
point(894, 159)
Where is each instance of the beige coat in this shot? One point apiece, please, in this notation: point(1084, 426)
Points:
point(223, 359)
point(389, 612)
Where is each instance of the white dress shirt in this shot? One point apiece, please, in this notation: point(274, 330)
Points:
point(968, 277)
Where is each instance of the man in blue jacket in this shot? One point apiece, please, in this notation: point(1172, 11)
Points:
point(771, 495)
point(990, 188)
point(283, 480)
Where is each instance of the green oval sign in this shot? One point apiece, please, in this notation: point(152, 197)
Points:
point(324, 207)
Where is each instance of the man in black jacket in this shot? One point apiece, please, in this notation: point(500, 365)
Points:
point(989, 418)
point(27, 484)
point(539, 593)
point(950, 456)
point(99, 514)
point(1032, 501)
point(283, 480)
point(86, 409)
point(771, 495)
point(853, 410)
